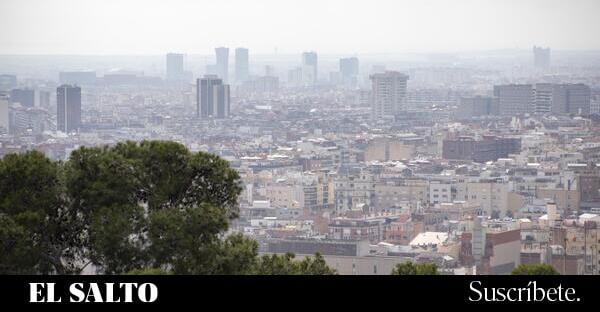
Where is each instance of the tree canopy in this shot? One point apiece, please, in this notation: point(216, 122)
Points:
point(138, 208)
point(39, 232)
point(286, 265)
point(409, 268)
point(535, 269)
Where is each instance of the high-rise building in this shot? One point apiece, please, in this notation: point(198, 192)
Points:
point(595, 102)
point(68, 108)
point(26, 97)
point(388, 92)
point(212, 97)
point(175, 67)
point(543, 97)
point(222, 66)
point(514, 99)
point(349, 71)
point(309, 68)
point(571, 99)
point(221, 101)
point(4, 113)
point(562, 98)
point(541, 57)
point(241, 65)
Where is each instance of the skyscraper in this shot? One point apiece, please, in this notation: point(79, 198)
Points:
point(541, 57)
point(349, 71)
point(4, 125)
point(388, 92)
point(222, 67)
point(212, 97)
point(241, 65)
point(175, 67)
point(221, 101)
point(68, 108)
point(309, 68)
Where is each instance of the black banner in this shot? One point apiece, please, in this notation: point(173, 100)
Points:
point(274, 292)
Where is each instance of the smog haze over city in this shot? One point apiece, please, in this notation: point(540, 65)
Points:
point(303, 137)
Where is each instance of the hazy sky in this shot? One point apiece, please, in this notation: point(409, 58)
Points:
point(291, 26)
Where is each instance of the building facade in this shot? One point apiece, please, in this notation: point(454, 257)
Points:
point(68, 108)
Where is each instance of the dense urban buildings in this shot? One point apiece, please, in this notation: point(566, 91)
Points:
point(472, 163)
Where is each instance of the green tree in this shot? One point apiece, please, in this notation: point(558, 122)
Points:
point(315, 266)
point(535, 269)
point(39, 233)
point(409, 268)
point(155, 204)
point(285, 264)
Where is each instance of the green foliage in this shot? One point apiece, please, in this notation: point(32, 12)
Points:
point(535, 269)
point(153, 204)
point(39, 233)
point(286, 265)
point(409, 268)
